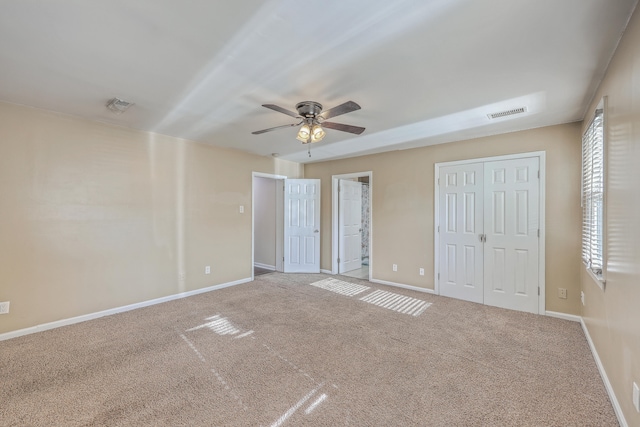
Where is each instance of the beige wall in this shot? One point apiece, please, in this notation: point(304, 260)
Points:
point(402, 209)
point(265, 221)
point(612, 316)
point(96, 217)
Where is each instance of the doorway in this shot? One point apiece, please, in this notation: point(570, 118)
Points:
point(268, 221)
point(490, 231)
point(351, 224)
point(285, 224)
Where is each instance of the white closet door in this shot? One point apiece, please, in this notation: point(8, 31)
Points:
point(302, 226)
point(350, 225)
point(461, 256)
point(511, 209)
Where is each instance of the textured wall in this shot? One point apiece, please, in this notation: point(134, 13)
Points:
point(612, 316)
point(402, 205)
point(96, 217)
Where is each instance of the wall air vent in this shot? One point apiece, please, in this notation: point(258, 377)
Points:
point(118, 106)
point(507, 113)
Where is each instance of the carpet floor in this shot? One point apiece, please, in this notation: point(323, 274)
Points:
point(306, 350)
point(259, 271)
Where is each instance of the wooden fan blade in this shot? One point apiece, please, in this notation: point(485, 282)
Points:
point(344, 128)
point(345, 108)
point(281, 110)
point(258, 132)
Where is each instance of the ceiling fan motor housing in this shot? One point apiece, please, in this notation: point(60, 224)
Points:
point(309, 109)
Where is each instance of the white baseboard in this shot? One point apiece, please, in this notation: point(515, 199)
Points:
point(91, 316)
point(564, 316)
point(401, 285)
point(607, 384)
point(326, 271)
point(265, 266)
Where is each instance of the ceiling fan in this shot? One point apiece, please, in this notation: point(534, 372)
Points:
point(313, 120)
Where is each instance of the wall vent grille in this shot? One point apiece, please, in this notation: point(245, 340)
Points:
point(118, 106)
point(507, 113)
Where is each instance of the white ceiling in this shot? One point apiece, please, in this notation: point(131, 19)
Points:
point(424, 71)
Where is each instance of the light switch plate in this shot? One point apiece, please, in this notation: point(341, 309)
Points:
point(4, 307)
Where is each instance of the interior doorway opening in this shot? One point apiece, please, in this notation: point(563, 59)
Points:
point(352, 225)
point(285, 233)
point(268, 224)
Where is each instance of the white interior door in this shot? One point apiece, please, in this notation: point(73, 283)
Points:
point(511, 206)
point(350, 225)
point(302, 226)
point(461, 250)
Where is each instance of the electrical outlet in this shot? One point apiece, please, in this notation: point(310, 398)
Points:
point(582, 297)
point(241, 209)
point(395, 267)
point(562, 293)
point(181, 276)
point(422, 271)
point(4, 307)
point(207, 269)
point(636, 397)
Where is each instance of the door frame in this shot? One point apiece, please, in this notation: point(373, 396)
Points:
point(279, 236)
point(335, 179)
point(541, 243)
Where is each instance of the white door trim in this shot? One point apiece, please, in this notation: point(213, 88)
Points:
point(253, 204)
point(541, 248)
point(334, 218)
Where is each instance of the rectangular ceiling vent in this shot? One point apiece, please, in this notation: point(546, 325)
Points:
point(507, 113)
point(118, 106)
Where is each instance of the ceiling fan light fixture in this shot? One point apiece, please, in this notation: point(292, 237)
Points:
point(313, 120)
point(304, 133)
point(317, 133)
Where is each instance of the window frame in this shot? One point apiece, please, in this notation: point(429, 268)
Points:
point(593, 198)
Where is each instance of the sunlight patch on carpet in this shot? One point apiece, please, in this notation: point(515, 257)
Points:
point(295, 407)
point(396, 302)
point(315, 404)
point(340, 287)
point(219, 325)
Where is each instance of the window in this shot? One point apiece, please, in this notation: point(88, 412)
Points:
point(593, 195)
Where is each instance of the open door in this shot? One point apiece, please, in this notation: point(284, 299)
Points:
point(302, 226)
point(350, 225)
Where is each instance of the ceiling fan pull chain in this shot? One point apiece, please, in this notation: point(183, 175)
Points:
point(309, 148)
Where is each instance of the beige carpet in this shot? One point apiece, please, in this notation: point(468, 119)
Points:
point(278, 351)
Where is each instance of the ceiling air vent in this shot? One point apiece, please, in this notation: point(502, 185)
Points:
point(507, 113)
point(118, 106)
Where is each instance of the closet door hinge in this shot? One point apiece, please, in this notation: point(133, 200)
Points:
point(538, 232)
point(438, 229)
point(538, 174)
point(538, 291)
point(438, 276)
point(438, 181)
point(338, 260)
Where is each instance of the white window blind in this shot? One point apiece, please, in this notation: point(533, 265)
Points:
point(593, 194)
